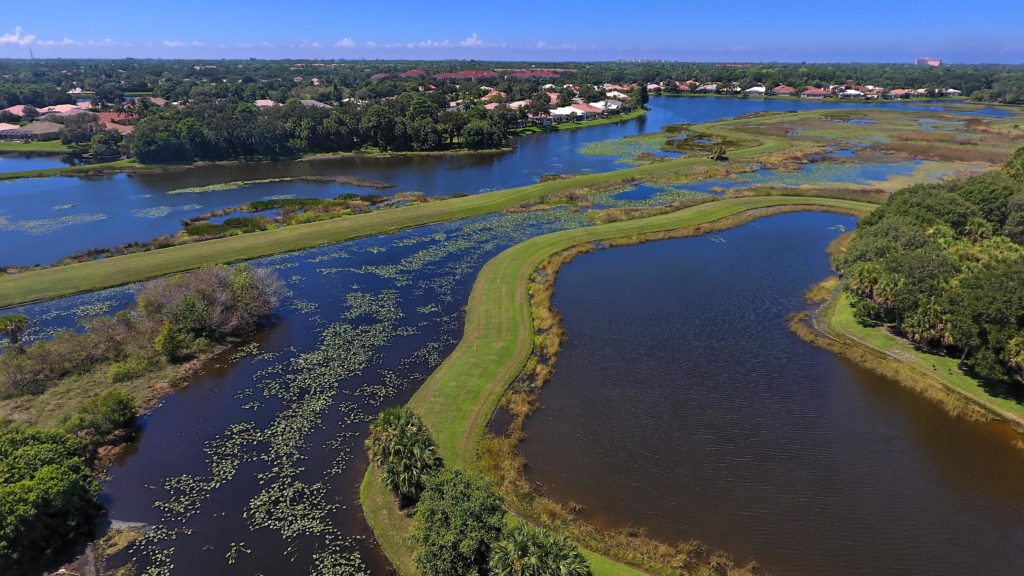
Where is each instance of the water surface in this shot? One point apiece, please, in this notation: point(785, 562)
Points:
point(682, 403)
point(43, 220)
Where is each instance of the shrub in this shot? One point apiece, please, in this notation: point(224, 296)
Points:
point(528, 551)
point(458, 520)
point(103, 415)
point(401, 447)
point(47, 496)
point(126, 370)
point(172, 342)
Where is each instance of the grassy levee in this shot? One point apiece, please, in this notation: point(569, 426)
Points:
point(60, 281)
point(933, 370)
point(461, 395)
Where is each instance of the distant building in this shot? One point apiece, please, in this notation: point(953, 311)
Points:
point(756, 90)
point(783, 90)
point(815, 93)
point(933, 62)
point(379, 76)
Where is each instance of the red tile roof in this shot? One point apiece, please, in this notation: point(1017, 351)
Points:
point(413, 73)
point(466, 75)
point(783, 89)
point(587, 108)
point(812, 91)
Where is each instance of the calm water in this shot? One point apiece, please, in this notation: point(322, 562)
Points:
point(682, 403)
point(18, 161)
point(43, 220)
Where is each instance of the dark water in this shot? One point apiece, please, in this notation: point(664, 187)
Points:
point(262, 453)
point(43, 220)
point(682, 403)
point(18, 161)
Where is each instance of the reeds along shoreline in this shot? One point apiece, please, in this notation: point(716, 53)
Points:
point(503, 460)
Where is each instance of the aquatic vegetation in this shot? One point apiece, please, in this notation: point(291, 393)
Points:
point(627, 149)
point(236, 184)
point(47, 225)
point(155, 212)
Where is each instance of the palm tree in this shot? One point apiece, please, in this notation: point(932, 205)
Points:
point(525, 550)
point(405, 454)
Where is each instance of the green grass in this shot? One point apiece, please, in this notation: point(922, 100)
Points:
point(941, 369)
point(577, 125)
point(34, 146)
point(86, 169)
point(458, 399)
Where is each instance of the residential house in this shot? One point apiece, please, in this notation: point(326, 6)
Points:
point(755, 90)
point(315, 104)
point(707, 88)
point(783, 90)
point(898, 93)
point(850, 93)
point(814, 92)
point(265, 103)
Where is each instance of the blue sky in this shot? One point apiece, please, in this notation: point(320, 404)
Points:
point(732, 30)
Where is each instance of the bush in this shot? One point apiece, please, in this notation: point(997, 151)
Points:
point(458, 520)
point(528, 551)
point(126, 370)
point(401, 447)
point(172, 342)
point(47, 496)
point(103, 415)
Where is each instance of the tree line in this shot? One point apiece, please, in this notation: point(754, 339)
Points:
point(212, 128)
point(47, 82)
point(943, 265)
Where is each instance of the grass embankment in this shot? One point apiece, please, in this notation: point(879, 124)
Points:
point(577, 125)
point(34, 146)
point(936, 377)
point(60, 281)
point(84, 170)
point(459, 398)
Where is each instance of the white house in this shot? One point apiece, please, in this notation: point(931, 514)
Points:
point(608, 105)
point(757, 90)
point(617, 95)
point(851, 94)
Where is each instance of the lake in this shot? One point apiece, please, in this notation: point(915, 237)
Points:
point(682, 403)
point(43, 220)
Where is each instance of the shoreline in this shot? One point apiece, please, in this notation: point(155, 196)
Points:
point(458, 399)
point(132, 166)
point(937, 378)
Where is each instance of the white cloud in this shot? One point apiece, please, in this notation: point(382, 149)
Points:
point(473, 41)
point(174, 43)
point(17, 38)
point(345, 43)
